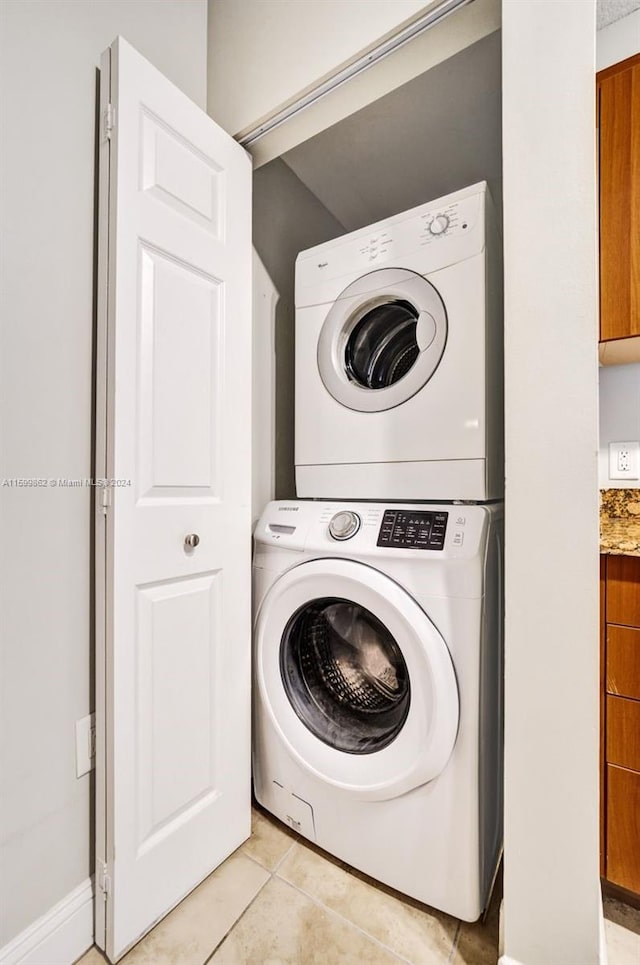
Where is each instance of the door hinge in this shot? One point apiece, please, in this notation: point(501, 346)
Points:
point(108, 121)
point(104, 881)
point(105, 499)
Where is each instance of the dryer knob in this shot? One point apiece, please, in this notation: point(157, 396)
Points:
point(439, 224)
point(344, 525)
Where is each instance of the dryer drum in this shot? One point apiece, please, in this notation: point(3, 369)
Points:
point(344, 675)
point(382, 346)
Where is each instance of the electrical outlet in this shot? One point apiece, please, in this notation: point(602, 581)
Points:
point(624, 460)
point(85, 745)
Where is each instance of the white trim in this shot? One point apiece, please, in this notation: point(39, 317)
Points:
point(430, 19)
point(60, 936)
point(602, 951)
point(507, 960)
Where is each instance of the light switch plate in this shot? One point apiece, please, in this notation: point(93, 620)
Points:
point(624, 460)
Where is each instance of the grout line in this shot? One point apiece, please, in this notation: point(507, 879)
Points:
point(271, 874)
point(454, 946)
point(282, 860)
point(346, 921)
point(250, 856)
point(238, 919)
point(270, 871)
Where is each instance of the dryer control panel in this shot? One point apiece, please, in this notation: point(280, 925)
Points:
point(413, 528)
point(423, 240)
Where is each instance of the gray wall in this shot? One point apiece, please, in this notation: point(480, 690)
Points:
point(619, 417)
point(287, 218)
point(49, 53)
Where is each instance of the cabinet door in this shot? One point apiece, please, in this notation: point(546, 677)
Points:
point(623, 732)
point(623, 662)
point(623, 827)
point(623, 590)
point(619, 109)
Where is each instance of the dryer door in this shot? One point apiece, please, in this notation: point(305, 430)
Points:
point(355, 678)
point(382, 340)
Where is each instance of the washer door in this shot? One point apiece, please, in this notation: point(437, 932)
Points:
point(382, 340)
point(355, 678)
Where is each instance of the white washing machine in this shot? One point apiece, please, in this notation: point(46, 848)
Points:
point(378, 689)
point(399, 357)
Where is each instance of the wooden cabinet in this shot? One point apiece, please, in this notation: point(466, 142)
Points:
point(623, 590)
point(623, 732)
point(623, 662)
point(620, 708)
point(623, 827)
point(618, 92)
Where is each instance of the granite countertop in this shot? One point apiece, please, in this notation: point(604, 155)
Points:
point(620, 521)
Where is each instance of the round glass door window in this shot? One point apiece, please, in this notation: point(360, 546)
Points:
point(344, 675)
point(382, 340)
point(383, 345)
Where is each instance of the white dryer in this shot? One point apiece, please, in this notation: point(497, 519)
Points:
point(378, 689)
point(399, 358)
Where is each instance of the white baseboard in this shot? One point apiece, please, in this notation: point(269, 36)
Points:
point(603, 953)
point(507, 960)
point(60, 937)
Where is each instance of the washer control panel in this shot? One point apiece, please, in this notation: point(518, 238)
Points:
point(344, 525)
point(413, 529)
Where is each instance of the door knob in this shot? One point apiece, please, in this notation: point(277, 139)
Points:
point(191, 541)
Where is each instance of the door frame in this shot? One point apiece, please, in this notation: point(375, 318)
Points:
point(102, 523)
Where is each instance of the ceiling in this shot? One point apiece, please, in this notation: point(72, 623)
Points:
point(436, 134)
point(611, 10)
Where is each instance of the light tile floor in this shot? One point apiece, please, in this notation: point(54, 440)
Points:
point(280, 901)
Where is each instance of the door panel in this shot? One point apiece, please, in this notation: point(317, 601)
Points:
point(173, 662)
point(178, 174)
point(175, 741)
point(180, 380)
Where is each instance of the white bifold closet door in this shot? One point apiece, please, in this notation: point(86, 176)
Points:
point(173, 533)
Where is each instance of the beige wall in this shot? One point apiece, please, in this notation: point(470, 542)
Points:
point(273, 50)
point(551, 883)
point(49, 54)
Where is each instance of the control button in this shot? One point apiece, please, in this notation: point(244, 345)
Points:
point(461, 520)
point(458, 538)
point(439, 224)
point(344, 525)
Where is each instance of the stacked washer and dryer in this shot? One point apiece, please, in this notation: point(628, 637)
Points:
point(378, 591)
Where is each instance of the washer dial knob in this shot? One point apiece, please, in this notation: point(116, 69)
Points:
point(344, 525)
point(439, 224)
